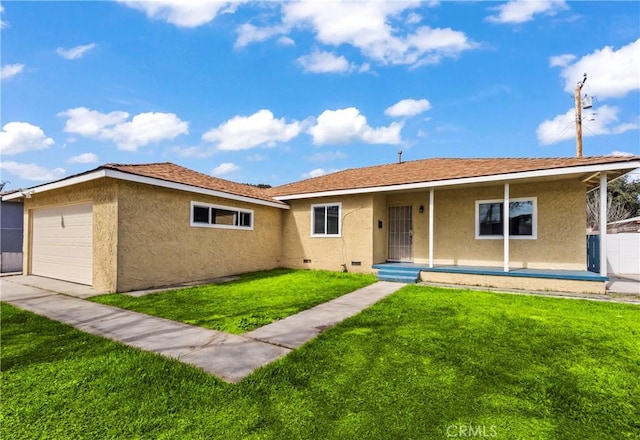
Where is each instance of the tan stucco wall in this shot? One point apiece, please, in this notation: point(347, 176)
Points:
point(560, 242)
point(330, 253)
point(522, 283)
point(103, 196)
point(157, 245)
point(380, 235)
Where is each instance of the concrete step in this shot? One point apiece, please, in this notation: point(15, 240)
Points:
point(399, 276)
point(398, 279)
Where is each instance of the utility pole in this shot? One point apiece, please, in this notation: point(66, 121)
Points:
point(579, 115)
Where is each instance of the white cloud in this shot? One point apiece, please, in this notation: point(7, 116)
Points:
point(327, 156)
point(31, 171)
point(256, 157)
point(244, 132)
point(143, 129)
point(349, 125)
point(375, 28)
point(3, 24)
point(521, 11)
point(20, 137)
point(248, 33)
point(193, 151)
point(620, 153)
point(317, 172)
point(562, 127)
point(611, 73)
point(147, 128)
point(413, 18)
point(408, 107)
point(286, 41)
point(561, 60)
point(75, 52)
point(83, 158)
point(182, 13)
point(224, 168)
point(324, 62)
point(9, 70)
point(91, 123)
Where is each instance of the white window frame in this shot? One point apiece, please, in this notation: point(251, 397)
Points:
point(534, 220)
point(209, 206)
point(326, 205)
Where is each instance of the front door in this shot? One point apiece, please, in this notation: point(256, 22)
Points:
point(400, 233)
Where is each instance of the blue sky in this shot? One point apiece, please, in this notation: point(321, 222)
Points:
point(271, 92)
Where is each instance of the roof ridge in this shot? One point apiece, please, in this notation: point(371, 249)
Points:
point(171, 172)
point(436, 169)
point(209, 176)
point(113, 164)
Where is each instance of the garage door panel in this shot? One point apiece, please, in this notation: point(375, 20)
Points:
point(62, 245)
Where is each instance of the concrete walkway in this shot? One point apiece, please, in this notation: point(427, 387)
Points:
point(227, 356)
point(629, 283)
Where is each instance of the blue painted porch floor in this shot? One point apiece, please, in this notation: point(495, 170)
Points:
point(414, 268)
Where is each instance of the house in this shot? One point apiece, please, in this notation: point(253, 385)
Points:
point(124, 227)
point(11, 218)
point(627, 225)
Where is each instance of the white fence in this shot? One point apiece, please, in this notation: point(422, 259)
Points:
point(623, 253)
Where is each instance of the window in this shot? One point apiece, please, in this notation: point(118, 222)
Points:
point(522, 218)
point(214, 216)
point(325, 220)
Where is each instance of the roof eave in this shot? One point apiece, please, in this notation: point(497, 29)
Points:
point(505, 177)
point(190, 188)
point(120, 175)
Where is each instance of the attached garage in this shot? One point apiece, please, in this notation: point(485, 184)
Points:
point(62, 243)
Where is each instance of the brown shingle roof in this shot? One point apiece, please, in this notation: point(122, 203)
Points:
point(174, 173)
point(433, 170)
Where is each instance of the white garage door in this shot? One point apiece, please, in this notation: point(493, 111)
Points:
point(62, 245)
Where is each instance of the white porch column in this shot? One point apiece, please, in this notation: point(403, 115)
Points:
point(431, 209)
point(505, 227)
point(603, 223)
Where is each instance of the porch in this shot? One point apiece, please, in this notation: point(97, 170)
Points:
point(493, 276)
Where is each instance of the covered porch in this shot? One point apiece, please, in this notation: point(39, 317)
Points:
point(522, 235)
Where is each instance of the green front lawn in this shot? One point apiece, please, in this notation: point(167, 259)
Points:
point(256, 299)
point(424, 363)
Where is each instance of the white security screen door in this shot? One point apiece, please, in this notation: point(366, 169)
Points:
point(400, 234)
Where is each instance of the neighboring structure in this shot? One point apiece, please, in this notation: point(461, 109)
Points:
point(11, 226)
point(626, 225)
point(623, 247)
point(623, 253)
point(123, 227)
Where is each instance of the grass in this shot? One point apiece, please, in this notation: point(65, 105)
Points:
point(424, 363)
point(256, 299)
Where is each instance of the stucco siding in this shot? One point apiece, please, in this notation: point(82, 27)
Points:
point(158, 246)
point(354, 245)
point(380, 234)
point(102, 194)
point(560, 242)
